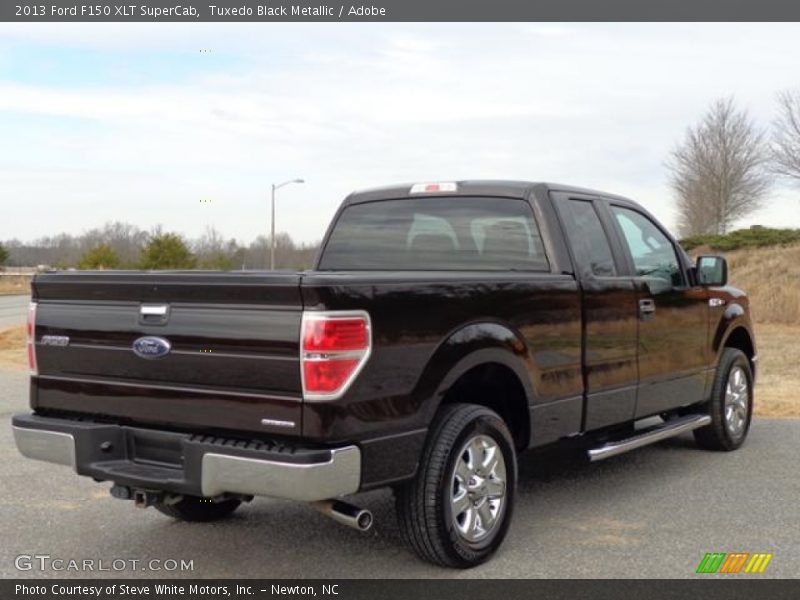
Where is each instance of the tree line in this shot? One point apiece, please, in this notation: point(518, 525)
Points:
point(724, 167)
point(121, 245)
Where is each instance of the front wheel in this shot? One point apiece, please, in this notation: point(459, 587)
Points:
point(731, 405)
point(457, 509)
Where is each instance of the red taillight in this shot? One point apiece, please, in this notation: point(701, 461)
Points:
point(31, 331)
point(335, 345)
point(326, 335)
point(327, 376)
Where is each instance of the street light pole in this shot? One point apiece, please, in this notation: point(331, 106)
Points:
point(272, 220)
point(272, 235)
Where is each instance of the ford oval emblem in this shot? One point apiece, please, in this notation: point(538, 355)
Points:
point(151, 347)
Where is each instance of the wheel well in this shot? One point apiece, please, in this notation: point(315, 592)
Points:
point(740, 339)
point(497, 387)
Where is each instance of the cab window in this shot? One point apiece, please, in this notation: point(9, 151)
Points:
point(436, 234)
point(588, 239)
point(652, 252)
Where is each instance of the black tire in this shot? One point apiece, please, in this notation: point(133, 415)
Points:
point(192, 508)
point(720, 434)
point(423, 505)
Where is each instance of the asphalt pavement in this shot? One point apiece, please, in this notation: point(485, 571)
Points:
point(654, 512)
point(13, 310)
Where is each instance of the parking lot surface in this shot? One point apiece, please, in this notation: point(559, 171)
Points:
point(654, 512)
point(13, 310)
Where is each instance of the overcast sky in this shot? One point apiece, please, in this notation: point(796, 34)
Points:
point(139, 122)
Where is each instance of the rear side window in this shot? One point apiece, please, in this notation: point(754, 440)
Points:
point(436, 234)
point(588, 238)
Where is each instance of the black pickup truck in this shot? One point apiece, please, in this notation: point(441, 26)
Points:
point(445, 328)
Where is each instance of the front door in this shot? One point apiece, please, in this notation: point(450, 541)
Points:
point(610, 325)
point(673, 316)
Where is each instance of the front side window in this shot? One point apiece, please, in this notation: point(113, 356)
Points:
point(652, 252)
point(436, 234)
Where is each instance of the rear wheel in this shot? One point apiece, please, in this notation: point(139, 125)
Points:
point(457, 509)
point(193, 508)
point(731, 404)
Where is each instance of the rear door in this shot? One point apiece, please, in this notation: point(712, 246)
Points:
point(673, 314)
point(609, 311)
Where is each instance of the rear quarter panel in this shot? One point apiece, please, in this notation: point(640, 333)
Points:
point(426, 323)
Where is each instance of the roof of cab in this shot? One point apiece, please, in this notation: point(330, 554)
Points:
point(489, 187)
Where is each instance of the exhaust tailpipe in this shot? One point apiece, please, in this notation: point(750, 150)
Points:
point(346, 514)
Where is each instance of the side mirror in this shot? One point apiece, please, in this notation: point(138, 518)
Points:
point(712, 271)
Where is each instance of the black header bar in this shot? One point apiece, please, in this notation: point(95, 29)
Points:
point(707, 587)
point(399, 10)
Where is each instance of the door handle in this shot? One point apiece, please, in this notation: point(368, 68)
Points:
point(647, 307)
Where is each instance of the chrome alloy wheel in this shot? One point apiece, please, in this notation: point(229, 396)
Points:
point(478, 488)
point(737, 397)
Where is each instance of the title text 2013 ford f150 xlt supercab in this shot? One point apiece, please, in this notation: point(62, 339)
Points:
point(445, 328)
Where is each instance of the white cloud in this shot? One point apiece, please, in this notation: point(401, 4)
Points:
point(351, 106)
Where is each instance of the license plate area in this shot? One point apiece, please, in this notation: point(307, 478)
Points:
point(155, 447)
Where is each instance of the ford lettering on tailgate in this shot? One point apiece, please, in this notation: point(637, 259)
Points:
point(151, 347)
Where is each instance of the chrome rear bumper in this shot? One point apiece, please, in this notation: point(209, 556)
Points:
point(201, 465)
point(308, 482)
point(50, 446)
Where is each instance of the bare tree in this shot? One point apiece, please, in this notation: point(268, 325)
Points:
point(786, 136)
point(125, 240)
point(214, 252)
point(719, 172)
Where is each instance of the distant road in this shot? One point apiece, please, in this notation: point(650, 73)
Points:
point(13, 310)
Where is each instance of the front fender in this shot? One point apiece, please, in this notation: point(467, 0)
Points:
point(724, 322)
point(731, 325)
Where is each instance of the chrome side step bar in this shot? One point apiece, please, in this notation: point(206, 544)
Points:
point(649, 436)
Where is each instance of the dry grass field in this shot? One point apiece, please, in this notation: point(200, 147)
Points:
point(15, 284)
point(770, 275)
point(12, 348)
point(778, 387)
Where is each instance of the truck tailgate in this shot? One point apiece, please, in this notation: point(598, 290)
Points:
point(233, 358)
